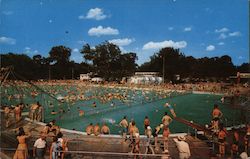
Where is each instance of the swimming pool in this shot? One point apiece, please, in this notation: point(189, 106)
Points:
point(114, 103)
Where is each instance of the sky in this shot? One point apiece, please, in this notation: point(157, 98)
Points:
point(198, 28)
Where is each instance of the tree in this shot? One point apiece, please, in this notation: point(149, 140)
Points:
point(108, 61)
point(60, 54)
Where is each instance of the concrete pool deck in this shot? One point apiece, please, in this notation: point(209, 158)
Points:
point(84, 146)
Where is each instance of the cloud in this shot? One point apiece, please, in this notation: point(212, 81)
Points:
point(7, 12)
point(166, 43)
point(122, 42)
point(236, 33)
point(222, 30)
point(240, 57)
point(170, 28)
point(94, 13)
point(98, 31)
point(81, 42)
point(7, 40)
point(221, 43)
point(232, 34)
point(27, 48)
point(29, 51)
point(210, 48)
point(222, 36)
point(187, 29)
point(75, 50)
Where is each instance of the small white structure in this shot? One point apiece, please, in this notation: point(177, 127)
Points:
point(85, 77)
point(97, 79)
point(146, 78)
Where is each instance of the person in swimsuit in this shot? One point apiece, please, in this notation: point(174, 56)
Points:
point(146, 123)
point(221, 140)
point(235, 144)
point(22, 149)
point(216, 113)
point(90, 129)
point(105, 129)
point(124, 125)
point(171, 109)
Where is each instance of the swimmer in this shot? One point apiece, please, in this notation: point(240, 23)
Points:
point(94, 104)
point(81, 112)
point(171, 109)
point(53, 112)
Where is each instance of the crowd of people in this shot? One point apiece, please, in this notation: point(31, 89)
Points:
point(130, 132)
point(56, 149)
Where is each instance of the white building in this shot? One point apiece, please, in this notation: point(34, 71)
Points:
point(146, 78)
point(85, 77)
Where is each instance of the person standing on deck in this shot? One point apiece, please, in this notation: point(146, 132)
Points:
point(22, 148)
point(146, 123)
point(165, 134)
point(216, 113)
point(183, 147)
point(39, 148)
point(124, 125)
point(222, 139)
point(166, 119)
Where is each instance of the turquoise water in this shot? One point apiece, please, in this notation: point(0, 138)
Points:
point(135, 104)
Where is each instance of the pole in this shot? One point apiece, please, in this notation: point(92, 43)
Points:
point(72, 73)
point(49, 73)
point(163, 68)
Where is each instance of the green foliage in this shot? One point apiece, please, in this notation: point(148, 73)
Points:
point(108, 61)
point(187, 66)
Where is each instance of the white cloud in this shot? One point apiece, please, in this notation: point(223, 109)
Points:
point(166, 43)
point(122, 42)
point(7, 40)
point(236, 33)
point(221, 43)
point(81, 42)
point(187, 29)
point(29, 51)
point(222, 30)
point(7, 12)
point(210, 48)
point(27, 48)
point(75, 50)
point(222, 36)
point(94, 13)
point(170, 28)
point(240, 57)
point(98, 31)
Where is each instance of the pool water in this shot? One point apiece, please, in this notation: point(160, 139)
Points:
point(136, 105)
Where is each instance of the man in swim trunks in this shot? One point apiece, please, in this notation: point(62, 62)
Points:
point(97, 130)
point(105, 129)
point(90, 129)
point(216, 113)
point(124, 125)
point(166, 119)
point(222, 139)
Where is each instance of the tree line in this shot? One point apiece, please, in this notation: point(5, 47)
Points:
point(106, 60)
